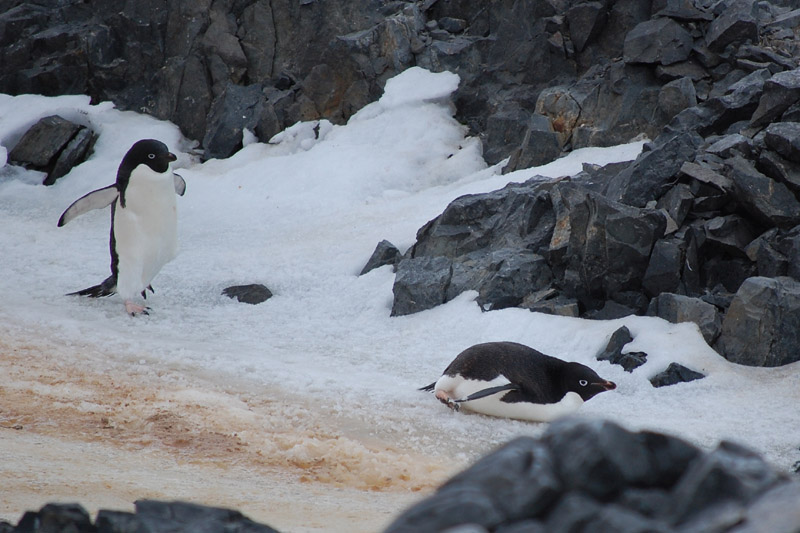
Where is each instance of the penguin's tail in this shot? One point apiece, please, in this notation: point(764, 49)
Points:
point(106, 288)
point(428, 388)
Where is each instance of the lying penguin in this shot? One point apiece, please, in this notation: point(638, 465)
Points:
point(511, 380)
point(143, 221)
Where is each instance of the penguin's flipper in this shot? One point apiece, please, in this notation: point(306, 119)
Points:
point(94, 200)
point(428, 388)
point(180, 184)
point(488, 392)
point(106, 288)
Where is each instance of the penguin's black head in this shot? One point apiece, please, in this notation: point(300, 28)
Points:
point(585, 381)
point(150, 152)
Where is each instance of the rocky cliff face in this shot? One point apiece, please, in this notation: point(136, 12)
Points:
point(538, 76)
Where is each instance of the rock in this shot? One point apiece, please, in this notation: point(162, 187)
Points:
point(768, 201)
point(676, 96)
point(53, 145)
point(664, 269)
point(676, 308)
point(585, 21)
point(385, 253)
point(781, 91)
point(729, 474)
point(180, 516)
point(601, 247)
point(675, 373)
point(236, 109)
point(421, 283)
point(249, 294)
point(677, 201)
point(736, 24)
point(613, 351)
point(731, 145)
point(784, 138)
point(781, 170)
point(452, 25)
point(761, 327)
point(648, 178)
point(64, 517)
point(539, 145)
point(659, 40)
point(705, 174)
point(775, 510)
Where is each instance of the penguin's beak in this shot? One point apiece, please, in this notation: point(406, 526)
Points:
point(608, 385)
point(171, 157)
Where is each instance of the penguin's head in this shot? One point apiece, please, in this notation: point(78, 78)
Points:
point(150, 152)
point(585, 381)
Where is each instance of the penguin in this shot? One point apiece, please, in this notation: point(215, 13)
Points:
point(143, 221)
point(511, 380)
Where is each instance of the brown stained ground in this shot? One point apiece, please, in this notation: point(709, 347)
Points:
point(105, 433)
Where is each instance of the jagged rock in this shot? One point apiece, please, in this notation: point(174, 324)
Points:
point(686, 10)
point(676, 96)
point(539, 146)
point(675, 373)
point(452, 25)
point(421, 283)
point(737, 23)
point(677, 201)
point(385, 253)
point(780, 169)
point(730, 233)
point(585, 21)
point(181, 516)
point(53, 145)
point(677, 308)
point(250, 294)
point(707, 175)
point(762, 325)
point(659, 40)
point(729, 474)
point(665, 266)
point(648, 178)
point(613, 351)
point(770, 202)
point(781, 91)
point(731, 145)
point(237, 108)
point(784, 138)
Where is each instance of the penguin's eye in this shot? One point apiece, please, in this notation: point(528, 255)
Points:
point(151, 156)
point(583, 383)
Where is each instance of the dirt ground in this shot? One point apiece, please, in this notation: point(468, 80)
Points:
point(106, 433)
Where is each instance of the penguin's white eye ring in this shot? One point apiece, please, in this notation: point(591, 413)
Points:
point(583, 383)
point(151, 156)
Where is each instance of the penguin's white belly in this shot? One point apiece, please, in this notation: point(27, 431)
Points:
point(459, 388)
point(145, 231)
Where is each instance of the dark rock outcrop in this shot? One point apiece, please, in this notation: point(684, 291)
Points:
point(613, 351)
point(149, 515)
point(385, 253)
point(53, 145)
point(596, 476)
point(675, 373)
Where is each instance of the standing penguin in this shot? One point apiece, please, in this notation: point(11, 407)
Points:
point(144, 221)
point(511, 380)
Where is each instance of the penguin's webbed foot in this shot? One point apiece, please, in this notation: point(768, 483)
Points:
point(135, 309)
point(445, 398)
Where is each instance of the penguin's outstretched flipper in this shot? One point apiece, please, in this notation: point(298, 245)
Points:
point(106, 288)
point(94, 200)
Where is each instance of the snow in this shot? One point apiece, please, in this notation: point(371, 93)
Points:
point(302, 214)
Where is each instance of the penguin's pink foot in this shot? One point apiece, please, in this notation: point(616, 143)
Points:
point(443, 397)
point(135, 309)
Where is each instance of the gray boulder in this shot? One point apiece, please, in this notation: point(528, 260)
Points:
point(677, 308)
point(768, 201)
point(781, 91)
point(784, 138)
point(659, 40)
point(736, 24)
point(53, 145)
point(762, 325)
